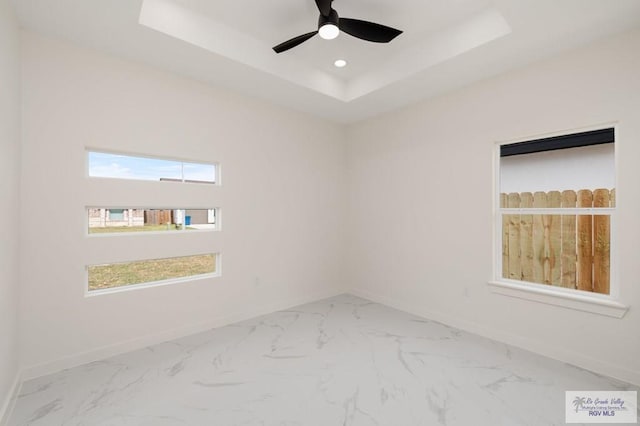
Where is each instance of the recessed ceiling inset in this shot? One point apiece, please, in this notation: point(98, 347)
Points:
point(406, 57)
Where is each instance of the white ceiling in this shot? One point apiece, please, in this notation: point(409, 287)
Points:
point(446, 43)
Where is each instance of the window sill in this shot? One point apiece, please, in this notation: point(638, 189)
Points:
point(170, 232)
point(151, 284)
point(581, 301)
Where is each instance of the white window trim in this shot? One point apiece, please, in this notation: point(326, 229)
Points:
point(608, 305)
point(568, 298)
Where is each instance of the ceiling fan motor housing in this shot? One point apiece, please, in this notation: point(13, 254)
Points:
point(332, 18)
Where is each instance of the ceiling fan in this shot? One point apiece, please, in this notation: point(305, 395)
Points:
point(330, 25)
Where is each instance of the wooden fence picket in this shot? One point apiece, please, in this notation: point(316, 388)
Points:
point(612, 196)
point(585, 242)
point(539, 202)
point(515, 270)
point(526, 237)
point(554, 199)
point(601, 245)
point(569, 256)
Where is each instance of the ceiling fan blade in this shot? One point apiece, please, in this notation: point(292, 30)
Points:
point(368, 30)
point(289, 44)
point(324, 6)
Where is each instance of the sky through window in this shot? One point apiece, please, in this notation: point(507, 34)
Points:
point(154, 169)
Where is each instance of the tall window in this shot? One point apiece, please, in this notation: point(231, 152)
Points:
point(556, 200)
point(127, 263)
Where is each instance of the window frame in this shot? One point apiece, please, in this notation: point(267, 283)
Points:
point(609, 305)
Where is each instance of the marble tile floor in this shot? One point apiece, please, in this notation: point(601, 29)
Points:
point(342, 361)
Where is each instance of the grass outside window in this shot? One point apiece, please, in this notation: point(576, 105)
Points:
point(116, 275)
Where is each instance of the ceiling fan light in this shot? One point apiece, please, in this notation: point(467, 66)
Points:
point(329, 31)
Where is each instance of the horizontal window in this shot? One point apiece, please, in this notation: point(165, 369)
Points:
point(121, 166)
point(102, 220)
point(115, 275)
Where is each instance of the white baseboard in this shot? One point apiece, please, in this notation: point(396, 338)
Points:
point(10, 400)
point(50, 367)
point(569, 357)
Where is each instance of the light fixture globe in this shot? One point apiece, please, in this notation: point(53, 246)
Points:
point(328, 26)
point(328, 31)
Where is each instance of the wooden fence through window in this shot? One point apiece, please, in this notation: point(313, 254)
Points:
point(158, 217)
point(571, 251)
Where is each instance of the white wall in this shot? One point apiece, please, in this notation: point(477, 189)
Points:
point(282, 199)
point(587, 167)
point(421, 188)
point(9, 199)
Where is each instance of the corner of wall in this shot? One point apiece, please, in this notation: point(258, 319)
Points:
point(538, 347)
point(10, 144)
point(10, 400)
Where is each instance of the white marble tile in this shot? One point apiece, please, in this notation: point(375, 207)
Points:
point(343, 361)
